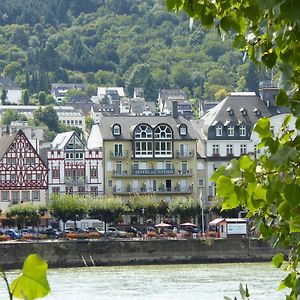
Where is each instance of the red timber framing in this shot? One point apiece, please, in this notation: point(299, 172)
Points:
point(21, 168)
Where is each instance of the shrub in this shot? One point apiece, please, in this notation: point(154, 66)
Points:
point(4, 238)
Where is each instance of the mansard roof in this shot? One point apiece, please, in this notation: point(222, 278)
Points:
point(238, 108)
point(128, 123)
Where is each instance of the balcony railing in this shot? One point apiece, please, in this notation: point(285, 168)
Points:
point(153, 172)
point(75, 179)
point(158, 190)
point(118, 154)
point(185, 154)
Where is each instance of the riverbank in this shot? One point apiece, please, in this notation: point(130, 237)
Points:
point(109, 252)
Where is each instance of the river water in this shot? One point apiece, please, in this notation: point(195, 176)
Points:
point(163, 282)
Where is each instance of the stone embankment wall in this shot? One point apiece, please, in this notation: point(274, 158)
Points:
point(82, 253)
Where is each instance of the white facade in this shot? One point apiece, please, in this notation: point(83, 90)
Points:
point(14, 96)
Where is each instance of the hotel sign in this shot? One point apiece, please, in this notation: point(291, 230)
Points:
point(154, 172)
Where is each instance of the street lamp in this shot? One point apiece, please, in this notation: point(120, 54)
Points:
point(202, 214)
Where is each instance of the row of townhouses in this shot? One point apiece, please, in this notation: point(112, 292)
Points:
point(166, 156)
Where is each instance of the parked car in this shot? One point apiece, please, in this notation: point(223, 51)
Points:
point(113, 231)
point(13, 234)
point(133, 230)
point(53, 233)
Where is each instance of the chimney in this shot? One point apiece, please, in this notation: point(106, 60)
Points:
point(175, 109)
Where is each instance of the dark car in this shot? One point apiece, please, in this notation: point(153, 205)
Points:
point(53, 233)
point(13, 234)
point(132, 230)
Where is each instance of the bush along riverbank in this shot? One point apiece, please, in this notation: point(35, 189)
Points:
point(80, 253)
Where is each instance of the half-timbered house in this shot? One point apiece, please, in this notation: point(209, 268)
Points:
point(23, 175)
point(73, 168)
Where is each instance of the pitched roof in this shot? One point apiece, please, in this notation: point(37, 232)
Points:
point(5, 142)
point(128, 123)
point(237, 108)
point(61, 140)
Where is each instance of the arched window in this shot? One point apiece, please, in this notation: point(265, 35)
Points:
point(143, 141)
point(182, 130)
point(116, 129)
point(163, 135)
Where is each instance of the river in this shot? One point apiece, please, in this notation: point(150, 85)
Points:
point(160, 282)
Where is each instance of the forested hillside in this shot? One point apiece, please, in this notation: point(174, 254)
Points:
point(130, 43)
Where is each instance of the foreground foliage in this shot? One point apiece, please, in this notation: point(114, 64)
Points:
point(268, 187)
point(32, 283)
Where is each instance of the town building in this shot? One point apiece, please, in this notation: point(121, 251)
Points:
point(59, 90)
point(14, 92)
point(67, 115)
point(225, 131)
point(166, 98)
point(23, 174)
point(111, 95)
point(73, 168)
point(147, 155)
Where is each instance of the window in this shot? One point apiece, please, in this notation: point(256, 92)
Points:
point(200, 182)
point(30, 160)
point(243, 130)
point(15, 197)
point(4, 196)
point(215, 150)
point(118, 151)
point(116, 129)
point(36, 196)
point(229, 149)
point(163, 132)
point(143, 132)
point(184, 167)
point(183, 149)
point(94, 172)
point(243, 149)
point(55, 173)
point(68, 172)
point(143, 149)
point(219, 131)
point(81, 190)
point(56, 190)
point(94, 191)
point(25, 196)
point(109, 183)
point(182, 129)
point(28, 177)
point(118, 170)
point(230, 130)
point(69, 190)
point(163, 148)
point(80, 173)
point(79, 155)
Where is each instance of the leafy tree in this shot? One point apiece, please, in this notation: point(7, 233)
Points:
point(268, 187)
point(106, 209)
point(3, 96)
point(25, 97)
point(42, 98)
point(10, 115)
point(67, 207)
point(47, 116)
point(12, 69)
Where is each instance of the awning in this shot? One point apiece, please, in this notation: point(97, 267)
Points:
point(215, 222)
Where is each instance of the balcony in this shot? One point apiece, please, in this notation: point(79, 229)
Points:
point(160, 190)
point(185, 154)
point(118, 155)
point(75, 180)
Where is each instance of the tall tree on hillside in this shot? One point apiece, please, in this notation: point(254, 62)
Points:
point(25, 97)
point(3, 96)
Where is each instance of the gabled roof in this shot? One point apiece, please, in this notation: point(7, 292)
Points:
point(5, 142)
point(62, 139)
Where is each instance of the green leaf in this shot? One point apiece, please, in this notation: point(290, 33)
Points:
point(277, 260)
point(265, 231)
point(284, 210)
point(295, 224)
point(282, 98)
point(207, 18)
point(245, 162)
point(32, 283)
point(262, 127)
point(240, 41)
point(297, 286)
point(291, 193)
point(225, 186)
point(269, 58)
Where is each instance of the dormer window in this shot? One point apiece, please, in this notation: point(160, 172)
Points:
point(116, 130)
point(242, 130)
point(183, 130)
point(256, 111)
point(229, 111)
point(230, 131)
point(243, 111)
point(219, 131)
